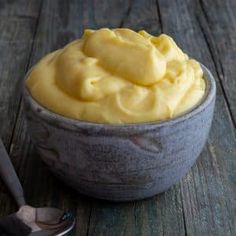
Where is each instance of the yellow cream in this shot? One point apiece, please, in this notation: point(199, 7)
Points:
point(117, 76)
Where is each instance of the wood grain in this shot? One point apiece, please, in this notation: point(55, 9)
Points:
point(219, 31)
point(16, 39)
point(161, 215)
point(204, 202)
point(59, 23)
point(206, 191)
point(20, 9)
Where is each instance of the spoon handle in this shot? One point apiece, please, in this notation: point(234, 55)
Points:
point(8, 174)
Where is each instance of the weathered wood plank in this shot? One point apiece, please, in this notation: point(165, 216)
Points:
point(218, 22)
point(206, 194)
point(209, 188)
point(16, 38)
point(142, 15)
point(160, 215)
point(59, 23)
point(20, 8)
point(15, 48)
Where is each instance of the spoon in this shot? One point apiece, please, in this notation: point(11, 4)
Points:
point(29, 220)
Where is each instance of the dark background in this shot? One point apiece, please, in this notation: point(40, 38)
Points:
point(203, 203)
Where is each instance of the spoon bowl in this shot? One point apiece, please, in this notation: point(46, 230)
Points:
point(51, 220)
point(29, 220)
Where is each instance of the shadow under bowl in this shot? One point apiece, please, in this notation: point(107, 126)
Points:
point(121, 162)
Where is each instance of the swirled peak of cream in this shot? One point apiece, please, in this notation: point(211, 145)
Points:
point(117, 76)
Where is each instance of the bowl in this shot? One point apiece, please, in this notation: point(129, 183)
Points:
point(121, 162)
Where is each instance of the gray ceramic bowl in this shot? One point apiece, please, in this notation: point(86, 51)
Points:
point(121, 162)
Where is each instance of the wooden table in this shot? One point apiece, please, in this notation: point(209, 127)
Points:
point(203, 203)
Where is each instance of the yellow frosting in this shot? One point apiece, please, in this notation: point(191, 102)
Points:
point(117, 76)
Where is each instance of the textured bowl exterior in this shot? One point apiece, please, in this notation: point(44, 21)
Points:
point(120, 162)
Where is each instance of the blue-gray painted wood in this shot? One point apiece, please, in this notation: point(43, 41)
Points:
point(208, 190)
point(204, 202)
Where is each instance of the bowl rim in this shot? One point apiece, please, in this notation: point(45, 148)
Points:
point(70, 123)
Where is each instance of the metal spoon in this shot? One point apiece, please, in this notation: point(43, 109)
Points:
point(29, 220)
